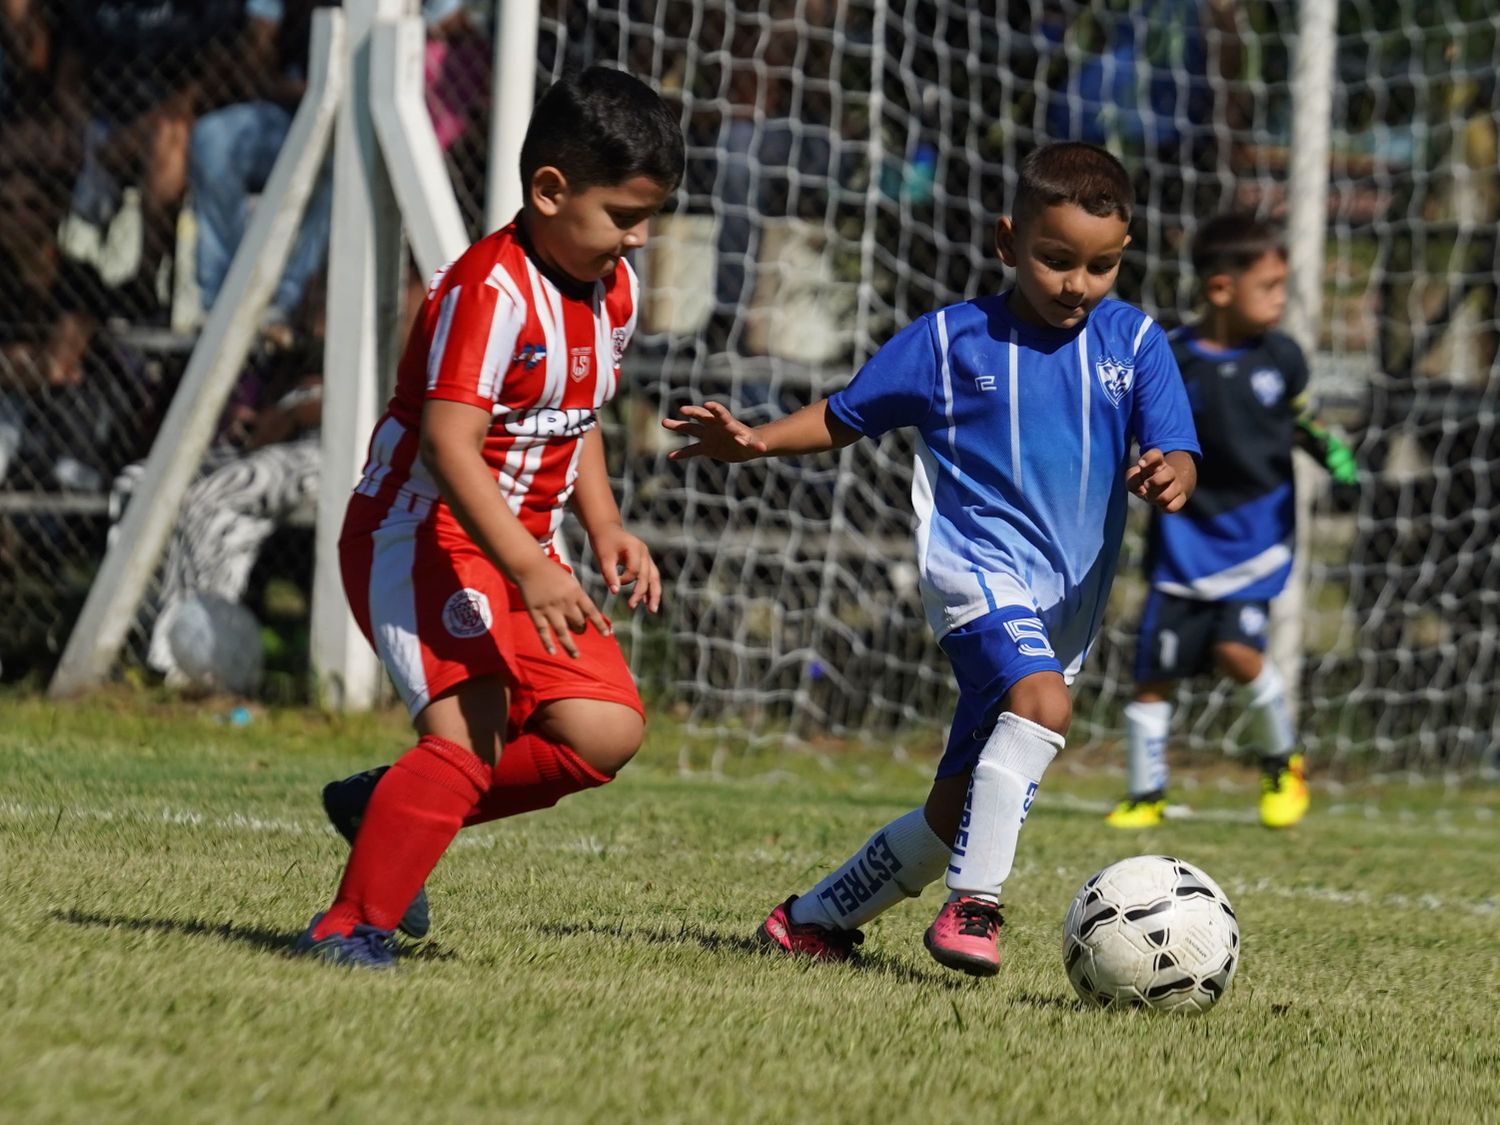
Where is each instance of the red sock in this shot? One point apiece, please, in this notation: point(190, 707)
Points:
point(533, 774)
point(413, 815)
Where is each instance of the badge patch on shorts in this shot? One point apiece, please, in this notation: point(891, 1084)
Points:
point(467, 614)
point(1252, 620)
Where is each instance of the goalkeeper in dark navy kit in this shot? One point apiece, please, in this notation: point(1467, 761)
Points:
point(1214, 567)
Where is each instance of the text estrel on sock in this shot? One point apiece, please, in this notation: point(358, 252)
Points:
point(1005, 780)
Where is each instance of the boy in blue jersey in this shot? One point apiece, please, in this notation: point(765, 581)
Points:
point(1215, 565)
point(1025, 405)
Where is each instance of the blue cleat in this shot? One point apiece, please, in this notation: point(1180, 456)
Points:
point(365, 948)
point(345, 802)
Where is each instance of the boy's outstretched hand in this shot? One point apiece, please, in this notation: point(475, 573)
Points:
point(1164, 480)
point(718, 434)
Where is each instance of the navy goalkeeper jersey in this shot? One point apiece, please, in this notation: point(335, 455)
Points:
point(1233, 540)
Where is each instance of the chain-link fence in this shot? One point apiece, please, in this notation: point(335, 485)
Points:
point(134, 140)
point(846, 161)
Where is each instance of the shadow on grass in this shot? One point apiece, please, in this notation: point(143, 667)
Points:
point(864, 961)
point(269, 941)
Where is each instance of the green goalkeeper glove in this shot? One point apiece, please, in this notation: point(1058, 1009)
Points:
point(1334, 454)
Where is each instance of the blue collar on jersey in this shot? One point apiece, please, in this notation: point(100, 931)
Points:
point(1190, 336)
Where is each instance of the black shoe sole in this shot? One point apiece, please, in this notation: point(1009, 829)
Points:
point(958, 962)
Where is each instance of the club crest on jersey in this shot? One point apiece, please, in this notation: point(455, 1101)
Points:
point(618, 338)
point(1115, 376)
point(1268, 385)
point(467, 613)
point(580, 363)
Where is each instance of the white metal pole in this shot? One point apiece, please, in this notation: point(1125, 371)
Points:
point(409, 145)
point(1307, 228)
point(1307, 193)
point(212, 371)
point(364, 261)
point(875, 148)
point(513, 91)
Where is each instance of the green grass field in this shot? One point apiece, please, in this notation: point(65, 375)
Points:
point(593, 963)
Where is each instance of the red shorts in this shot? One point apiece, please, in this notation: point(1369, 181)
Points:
point(439, 613)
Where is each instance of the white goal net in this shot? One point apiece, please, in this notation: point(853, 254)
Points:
point(846, 161)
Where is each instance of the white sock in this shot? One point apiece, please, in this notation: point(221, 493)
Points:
point(1271, 720)
point(1146, 727)
point(1005, 779)
point(895, 863)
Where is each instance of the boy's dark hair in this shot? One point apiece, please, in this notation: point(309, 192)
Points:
point(1232, 243)
point(1073, 172)
point(600, 127)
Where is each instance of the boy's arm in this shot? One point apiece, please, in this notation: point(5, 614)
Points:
point(623, 558)
point(1309, 433)
point(813, 429)
point(452, 441)
point(1161, 419)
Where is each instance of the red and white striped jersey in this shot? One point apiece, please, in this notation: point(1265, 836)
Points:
point(542, 356)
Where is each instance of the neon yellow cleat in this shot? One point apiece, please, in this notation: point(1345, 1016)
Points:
point(1283, 794)
point(1146, 812)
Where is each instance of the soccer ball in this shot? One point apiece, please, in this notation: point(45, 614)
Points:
point(1151, 932)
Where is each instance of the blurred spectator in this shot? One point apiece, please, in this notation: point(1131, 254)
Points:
point(56, 419)
point(235, 148)
point(1138, 76)
point(456, 68)
point(774, 151)
point(25, 56)
point(131, 76)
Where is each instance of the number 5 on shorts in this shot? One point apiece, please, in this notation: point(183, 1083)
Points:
point(1030, 636)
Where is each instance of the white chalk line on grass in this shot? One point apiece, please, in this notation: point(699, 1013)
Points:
point(1361, 899)
point(191, 818)
point(592, 845)
point(235, 822)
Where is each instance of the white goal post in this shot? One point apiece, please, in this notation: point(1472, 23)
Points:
point(1306, 233)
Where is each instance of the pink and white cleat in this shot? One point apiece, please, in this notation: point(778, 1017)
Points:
point(806, 939)
point(966, 936)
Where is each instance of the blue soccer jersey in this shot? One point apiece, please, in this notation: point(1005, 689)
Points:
point(1024, 436)
point(1233, 540)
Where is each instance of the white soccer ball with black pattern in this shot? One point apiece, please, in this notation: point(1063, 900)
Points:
point(1151, 932)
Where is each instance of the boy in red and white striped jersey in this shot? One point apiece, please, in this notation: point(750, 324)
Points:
point(517, 689)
